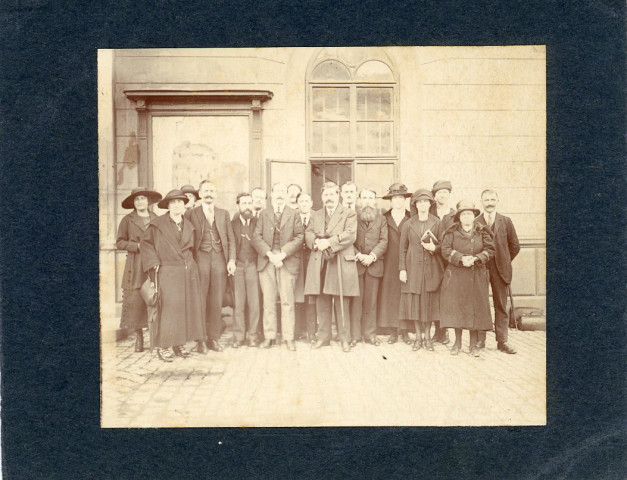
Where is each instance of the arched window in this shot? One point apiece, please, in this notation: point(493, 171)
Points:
point(352, 117)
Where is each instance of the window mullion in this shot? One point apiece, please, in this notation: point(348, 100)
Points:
point(353, 121)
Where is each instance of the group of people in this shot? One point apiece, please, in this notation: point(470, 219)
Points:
point(292, 270)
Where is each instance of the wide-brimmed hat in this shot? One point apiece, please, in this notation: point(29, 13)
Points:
point(153, 197)
point(190, 189)
point(464, 205)
point(421, 193)
point(396, 189)
point(172, 195)
point(442, 185)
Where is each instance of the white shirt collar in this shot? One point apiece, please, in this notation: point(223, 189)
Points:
point(244, 220)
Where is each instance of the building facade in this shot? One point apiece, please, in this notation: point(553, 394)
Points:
point(252, 117)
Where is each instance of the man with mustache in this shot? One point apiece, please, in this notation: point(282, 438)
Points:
point(500, 267)
point(371, 245)
point(214, 252)
point(330, 235)
point(278, 238)
point(246, 279)
point(259, 197)
point(349, 195)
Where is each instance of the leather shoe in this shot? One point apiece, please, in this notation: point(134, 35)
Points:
point(445, 340)
point(214, 345)
point(455, 350)
point(180, 351)
point(375, 341)
point(319, 344)
point(475, 352)
point(237, 343)
point(267, 343)
point(352, 343)
point(417, 345)
point(481, 344)
point(253, 343)
point(428, 344)
point(345, 347)
point(505, 348)
point(405, 337)
point(165, 354)
point(393, 338)
point(291, 346)
point(200, 347)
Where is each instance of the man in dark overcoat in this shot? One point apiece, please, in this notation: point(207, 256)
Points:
point(246, 279)
point(370, 246)
point(278, 239)
point(330, 235)
point(441, 194)
point(214, 251)
point(500, 267)
point(305, 305)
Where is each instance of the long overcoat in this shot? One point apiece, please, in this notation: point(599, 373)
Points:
point(130, 233)
point(372, 238)
point(299, 288)
point(180, 317)
point(420, 264)
point(390, 292)
point(464, 296)
point(342, 232)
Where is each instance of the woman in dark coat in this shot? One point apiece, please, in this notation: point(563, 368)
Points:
point(130, 232)
point(467, 247)
point(390, 291)
point(421, 269)
point(168, 244)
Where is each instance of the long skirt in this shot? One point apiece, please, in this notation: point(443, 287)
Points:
point(134, 310)
point(421, 307)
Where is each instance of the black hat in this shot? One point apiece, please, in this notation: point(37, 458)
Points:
point(172, 195)
point(153, 197)
point(464, 205)
point(190, 189)
point(421, 193)
point(396, 189)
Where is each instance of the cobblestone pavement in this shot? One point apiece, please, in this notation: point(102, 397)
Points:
point(379, 386)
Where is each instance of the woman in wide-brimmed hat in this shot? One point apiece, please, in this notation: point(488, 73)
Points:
point(168, 244)
point(467, 246)
point(130, 231)
point(191, 193)
point(420, 268)
point(390, 293)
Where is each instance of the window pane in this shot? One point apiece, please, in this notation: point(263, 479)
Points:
point(327, 172)
point(374, 138)
point(377, 176)
point(331, 137)
point(331, 103)
point(330, 70)
point(374, 71)
point(374, 103)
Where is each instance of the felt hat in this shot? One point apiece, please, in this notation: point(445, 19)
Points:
point(172, 195)
point(465, 205)
point(442, 185)
point(190, 189)
point(153, 197)
point(396, 189)
point(421, 193)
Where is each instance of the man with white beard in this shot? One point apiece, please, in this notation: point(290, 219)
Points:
point(370, 246)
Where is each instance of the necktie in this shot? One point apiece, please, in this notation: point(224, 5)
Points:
point(210, 216)
point(490, 221)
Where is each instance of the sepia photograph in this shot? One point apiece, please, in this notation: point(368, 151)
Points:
point(322, 237)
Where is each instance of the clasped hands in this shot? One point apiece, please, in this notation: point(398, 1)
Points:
point(276, 258)
point(366, 260)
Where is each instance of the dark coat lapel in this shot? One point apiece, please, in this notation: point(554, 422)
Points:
point(168, 230)
point(335, 219)
point(137, 220)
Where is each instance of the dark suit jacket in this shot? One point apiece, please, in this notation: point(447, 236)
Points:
point(372, 239)
point(291, 238)
point(236, 224)
point(505, 243)
point(223, 224)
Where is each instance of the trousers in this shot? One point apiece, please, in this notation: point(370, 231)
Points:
point(212, 267)
point(246, 294)
point(277, 281)
point(364, 308)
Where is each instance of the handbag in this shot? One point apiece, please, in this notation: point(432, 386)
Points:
point(149, 290)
